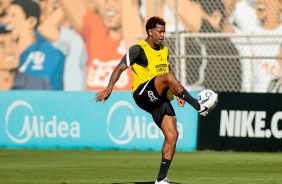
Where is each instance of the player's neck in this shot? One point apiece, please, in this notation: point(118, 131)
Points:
point(152, 44)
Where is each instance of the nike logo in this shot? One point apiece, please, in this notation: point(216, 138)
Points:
point(164, 162)
point(204, 109)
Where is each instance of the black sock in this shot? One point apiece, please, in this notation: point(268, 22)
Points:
point(188, 98)
point(163, 169)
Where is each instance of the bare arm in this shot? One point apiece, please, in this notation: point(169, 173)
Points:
point(74, 11)
point(190, 9)
point(150, 8)
point(130, 13)
point(104, 95)
point(50, 27)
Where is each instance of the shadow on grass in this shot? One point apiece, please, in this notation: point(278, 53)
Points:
point(149, 182)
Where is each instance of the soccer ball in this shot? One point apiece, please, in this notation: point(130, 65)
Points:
point(208, 97)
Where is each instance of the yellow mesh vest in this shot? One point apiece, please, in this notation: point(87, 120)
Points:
point(157, 65)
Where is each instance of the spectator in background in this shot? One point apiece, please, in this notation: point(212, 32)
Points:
point(241, 19)
point(219, 73)
point(242, 16)
point(10, 77)
point(37, 56)
point(55, 27)
point(275, 85)
point(265, 70)
point(190, 14)
point(108, 29)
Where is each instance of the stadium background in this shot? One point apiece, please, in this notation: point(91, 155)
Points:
point(230, 46)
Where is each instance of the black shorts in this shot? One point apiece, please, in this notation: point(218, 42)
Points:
point(148, 99)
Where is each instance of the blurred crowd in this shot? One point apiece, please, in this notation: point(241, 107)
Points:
point(75, 45)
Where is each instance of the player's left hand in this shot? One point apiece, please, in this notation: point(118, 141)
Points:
point(102, 96)
point(180, 102)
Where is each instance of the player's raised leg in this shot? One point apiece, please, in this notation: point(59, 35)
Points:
point(168, 80)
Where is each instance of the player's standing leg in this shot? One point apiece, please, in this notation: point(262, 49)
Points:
point(170, 132)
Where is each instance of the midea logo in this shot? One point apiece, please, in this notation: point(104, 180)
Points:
point(36, 127)
point(133, 127)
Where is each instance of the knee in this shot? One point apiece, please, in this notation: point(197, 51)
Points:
point(171, 80)
point(172, 137)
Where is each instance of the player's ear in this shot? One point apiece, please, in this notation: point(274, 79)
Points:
point(150, 32)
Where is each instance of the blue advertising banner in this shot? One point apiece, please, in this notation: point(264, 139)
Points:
point(73, 120)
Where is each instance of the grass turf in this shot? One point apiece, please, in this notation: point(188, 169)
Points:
point(133, 167)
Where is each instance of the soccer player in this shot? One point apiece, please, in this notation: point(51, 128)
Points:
point(265, 71)
point(153, 82)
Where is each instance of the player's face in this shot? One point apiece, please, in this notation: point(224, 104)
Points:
point(158, 34)
point(8, 52)
point(110, 11)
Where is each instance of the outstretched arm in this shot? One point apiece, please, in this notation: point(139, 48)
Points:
point(74, 11)
point(188, 9)
point(104, 95)
point(50, 26)
point(130, 13)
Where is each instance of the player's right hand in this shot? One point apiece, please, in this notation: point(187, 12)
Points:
point(102, 96)
point(180, 102)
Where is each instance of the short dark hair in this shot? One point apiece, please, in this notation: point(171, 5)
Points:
point(153, 21)
point(30, 8)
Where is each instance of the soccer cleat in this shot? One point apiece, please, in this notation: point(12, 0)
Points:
point(164, 181)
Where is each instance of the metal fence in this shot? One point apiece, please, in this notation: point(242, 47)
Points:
point(226, 62)
point(239, 53)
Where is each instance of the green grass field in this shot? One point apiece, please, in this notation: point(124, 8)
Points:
point(133, 167)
